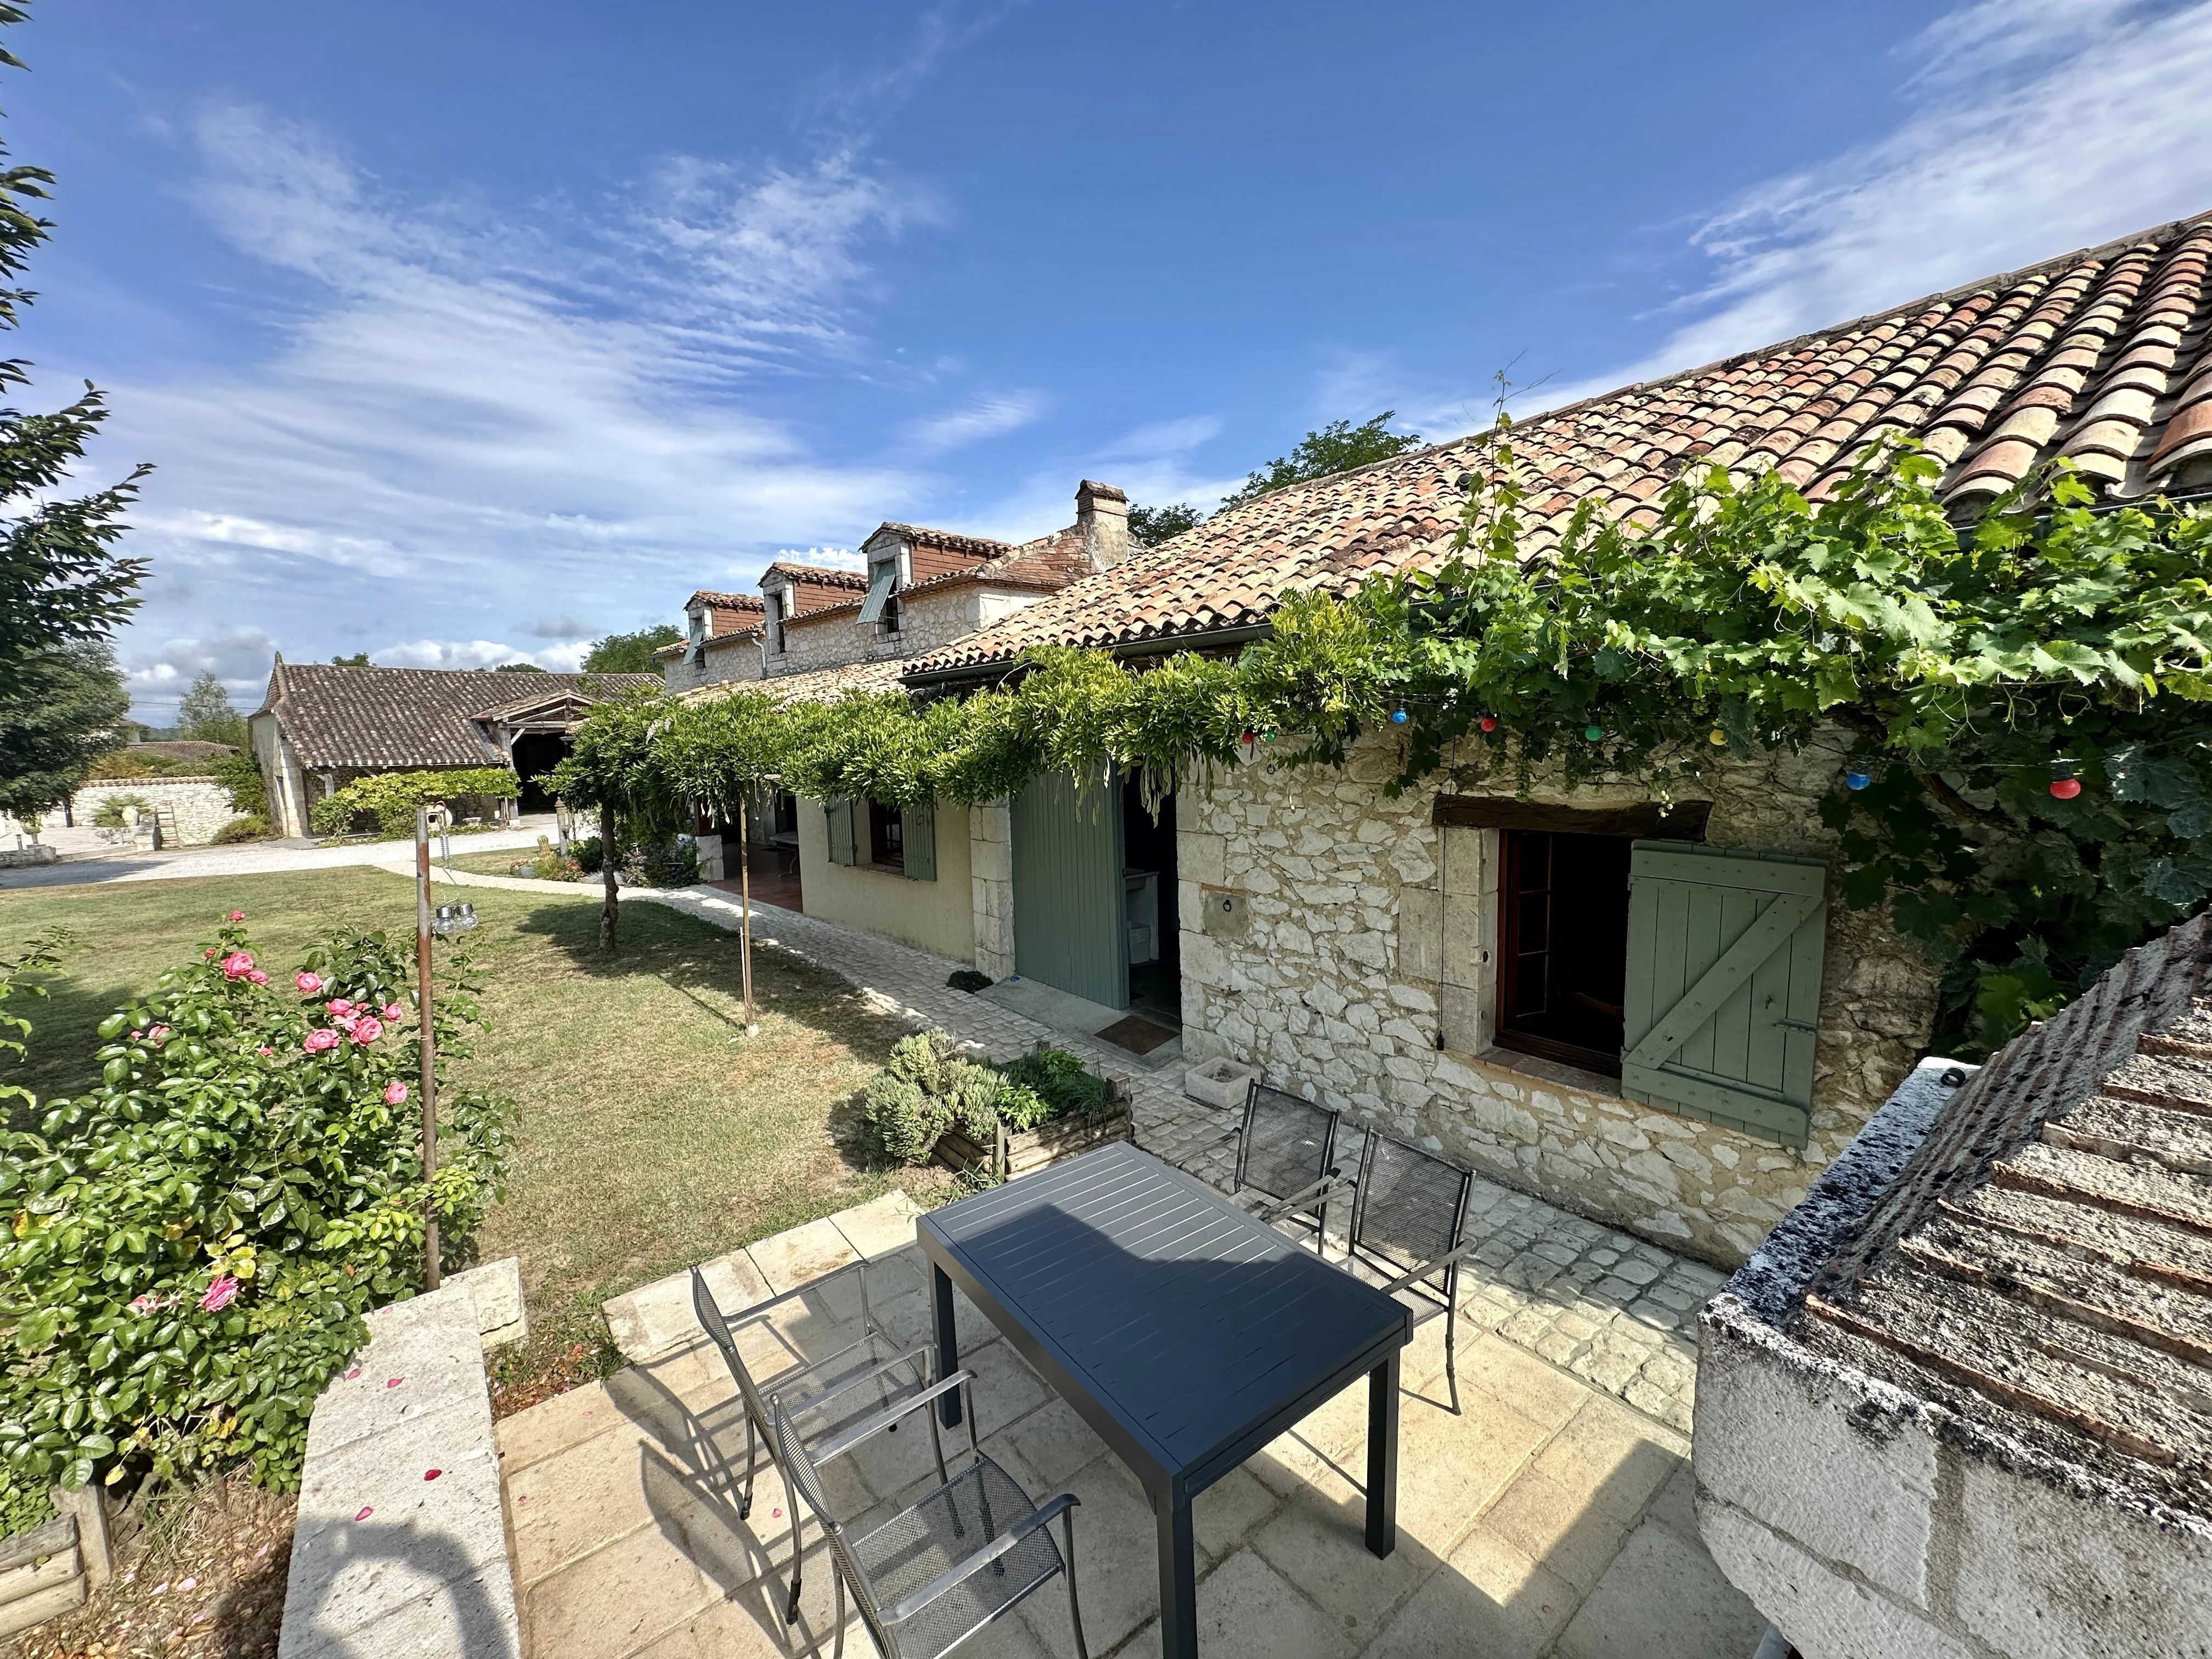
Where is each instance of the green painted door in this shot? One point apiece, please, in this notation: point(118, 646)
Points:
point(1723, 992)
point(1070, 925)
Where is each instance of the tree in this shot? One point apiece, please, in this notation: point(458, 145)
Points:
point(630, 653)
point(1153, 525)
point(61, 578)
point(359, 659)
point(1337, 447)
point(205, 713)
point(65, 712)
point(518, 668)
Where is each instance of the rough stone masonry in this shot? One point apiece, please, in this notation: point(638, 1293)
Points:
point(1332, 936)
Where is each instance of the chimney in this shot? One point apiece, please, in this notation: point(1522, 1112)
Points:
point(1102, 513)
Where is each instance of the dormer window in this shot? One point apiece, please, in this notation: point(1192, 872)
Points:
point(773, 619)
point(695, 637)
point(881, 606)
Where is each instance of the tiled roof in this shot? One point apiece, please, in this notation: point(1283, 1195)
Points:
point(752, 602)
point(821, 575)
point(2043, 1260)
point(951, 540)
point(1049, 563)
point(393, 719)
point(2100, 355)
point(818, 685)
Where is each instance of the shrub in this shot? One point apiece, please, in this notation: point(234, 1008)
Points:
point(925, 1089)
point(676, 866)
point(587, 854)
point(193, 1243)
point(109, 815)
point(1059, 1079)
point(333, 815)
point(240, 773)
point(247, 826)
point(391, 797)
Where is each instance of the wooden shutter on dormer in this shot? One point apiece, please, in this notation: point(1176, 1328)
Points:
point(1724, 989)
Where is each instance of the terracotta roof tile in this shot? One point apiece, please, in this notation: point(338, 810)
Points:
point(399, 719)
point(1996, 378)
point(822, 575)
point(951, 540)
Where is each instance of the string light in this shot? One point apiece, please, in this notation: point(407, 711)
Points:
point(2064, 786)
point(1594, 732)
point(1855, 779)
point(1718, 738)
point(1488, 722)
point(1397, 715)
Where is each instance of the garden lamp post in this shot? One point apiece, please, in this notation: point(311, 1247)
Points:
point(448, 919)
point(745, 917)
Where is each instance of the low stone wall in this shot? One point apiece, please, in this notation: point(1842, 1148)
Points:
point(401, 1545)
point(200, 806)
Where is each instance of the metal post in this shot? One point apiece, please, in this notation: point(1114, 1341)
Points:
point(745, 893)
point(426, 1041)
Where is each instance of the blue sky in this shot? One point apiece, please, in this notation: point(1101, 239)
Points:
point(465, 332)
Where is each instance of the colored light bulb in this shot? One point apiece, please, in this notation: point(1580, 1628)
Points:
point(1488, 722)
point(1718, 738)
point(1397, 715)
point(2064, 786)
point(1594, 730)
point(1855, 779)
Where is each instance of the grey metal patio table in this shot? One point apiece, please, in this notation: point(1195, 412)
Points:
point(1185, 1331)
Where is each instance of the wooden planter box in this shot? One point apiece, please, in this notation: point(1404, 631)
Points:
point(1018, 1155)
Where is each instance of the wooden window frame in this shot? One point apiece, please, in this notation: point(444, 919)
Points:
point(1511, 848)
point(885, 823)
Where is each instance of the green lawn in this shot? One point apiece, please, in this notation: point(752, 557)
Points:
point(652, 1135)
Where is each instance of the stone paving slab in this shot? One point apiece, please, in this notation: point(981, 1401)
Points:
point(1550, 1519)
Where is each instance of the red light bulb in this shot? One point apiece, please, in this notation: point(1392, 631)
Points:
point(2065, 788)
point(1488, 722)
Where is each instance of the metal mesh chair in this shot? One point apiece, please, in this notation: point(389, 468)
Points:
point(825, 1397)
point(1286, 1153)
point(962, 1558)
point(1406, 1217)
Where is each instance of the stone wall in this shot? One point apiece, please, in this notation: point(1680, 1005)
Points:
point(1356, 936)
point(991, 865)
point(200, 806)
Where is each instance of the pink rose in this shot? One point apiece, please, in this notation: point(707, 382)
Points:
point(366, 1031)
point(394, 1010)
point(237, 915)
point(318, 1041)
point(157, 1034)
point(308, 983)
point(255, 976)
point(395, 1093)
point(209, 953)
point(220, 1295)
point(340, 1007)
point(266, 1051)
point(237, 965)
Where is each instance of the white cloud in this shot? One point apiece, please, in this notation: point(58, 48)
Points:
point(2034, 126)
point(457, 408)
point(457, 653)
point(984, 417)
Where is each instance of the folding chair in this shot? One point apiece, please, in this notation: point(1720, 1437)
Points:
point(1408, 1210)
point(1286, 1154)
point(825, 1396)
point(962, 1558)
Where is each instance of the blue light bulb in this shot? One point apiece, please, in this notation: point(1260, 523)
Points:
point(1855, 779)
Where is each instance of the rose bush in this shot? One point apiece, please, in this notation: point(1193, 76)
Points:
point(190, 1246)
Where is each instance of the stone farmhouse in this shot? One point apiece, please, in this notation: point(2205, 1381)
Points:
point(1659, 1020)
point(819, 632)
point(321, 726)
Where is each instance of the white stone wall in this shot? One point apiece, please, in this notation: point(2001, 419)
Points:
point(201, 805)
point(1367, 934)
point(991, 865)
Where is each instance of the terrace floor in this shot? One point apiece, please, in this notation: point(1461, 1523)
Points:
point(1551, 1518)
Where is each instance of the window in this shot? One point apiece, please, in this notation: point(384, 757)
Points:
point(886, 835)
point(774, 616)
point(879, 607)
point(1563, 946)
point(786, 812)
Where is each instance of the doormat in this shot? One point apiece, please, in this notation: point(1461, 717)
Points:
point(1136, 1034)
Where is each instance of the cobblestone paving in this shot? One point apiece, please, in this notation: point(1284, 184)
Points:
point(1611, 1309)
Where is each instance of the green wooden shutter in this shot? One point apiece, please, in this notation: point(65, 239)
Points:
point(1071, 922)
point(1723, 998)
point(838, 814)
point(921, 829)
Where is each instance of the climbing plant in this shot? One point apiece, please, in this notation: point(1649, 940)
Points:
point(2020, 710)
